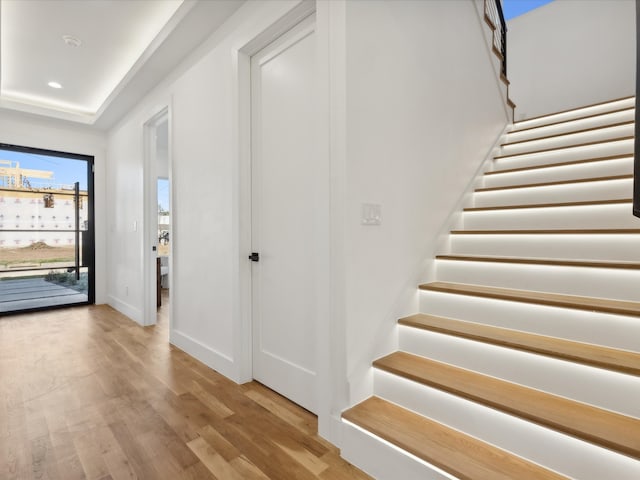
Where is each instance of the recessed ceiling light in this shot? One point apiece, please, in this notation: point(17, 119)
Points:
point(71, 41)
point(54, 85)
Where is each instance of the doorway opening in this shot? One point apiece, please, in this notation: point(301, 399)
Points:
point(157, 234)
point(47, 252)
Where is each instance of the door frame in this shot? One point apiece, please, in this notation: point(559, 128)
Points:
point(150, 216)
point(332, 374)
point(243, 340)
point(291, 382)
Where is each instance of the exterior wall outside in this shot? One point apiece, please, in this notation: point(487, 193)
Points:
point(25, 210)
point(32, 131)
point(568, 54)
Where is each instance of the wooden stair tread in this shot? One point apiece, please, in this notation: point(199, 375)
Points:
point(550, 205)
point(605, 305)
point(605, 428)
point(594, 355)
point(574, 109)
point(516, 130)
point(564, 134)
point(610, 231)
point(579, 145)
point(542, 261)
point(562, 164)
point(459, 454)
point(560, 182)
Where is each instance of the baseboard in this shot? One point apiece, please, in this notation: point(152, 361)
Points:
point(130, 311)
point(207, 355)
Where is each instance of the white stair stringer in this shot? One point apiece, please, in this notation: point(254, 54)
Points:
point(553, 209)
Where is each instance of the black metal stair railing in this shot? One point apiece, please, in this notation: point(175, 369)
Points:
point(636, 153)
point(495, 17)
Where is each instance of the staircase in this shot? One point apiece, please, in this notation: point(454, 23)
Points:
point(525, 360)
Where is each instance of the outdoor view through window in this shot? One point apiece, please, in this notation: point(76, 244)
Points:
point(46, 252)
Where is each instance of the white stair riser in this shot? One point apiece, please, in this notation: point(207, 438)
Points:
point(620, 147)
point(605, 168)
point(610, 216)
point(575, 192)
point(572, 126)
point(381, 461)
point(577, 113)
point(604, 389)
point(623, 248)
point(554, 450)
point(615, 331)
point(598, 135)
point(618, 284)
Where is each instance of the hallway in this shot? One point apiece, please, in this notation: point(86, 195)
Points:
point(87, 393)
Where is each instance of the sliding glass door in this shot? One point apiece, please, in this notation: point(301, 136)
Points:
point(46, 229)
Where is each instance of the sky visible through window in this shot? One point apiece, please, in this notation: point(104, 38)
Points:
point(66, 171)
point(514, 8)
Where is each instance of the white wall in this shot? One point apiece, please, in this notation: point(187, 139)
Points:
point(571, 53)
point(202, 95)
point(38, 132)
point(412, 107)
point(424, 105)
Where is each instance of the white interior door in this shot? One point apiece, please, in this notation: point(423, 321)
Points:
point(287, 184)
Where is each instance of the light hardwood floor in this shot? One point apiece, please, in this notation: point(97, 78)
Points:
point(85, 393)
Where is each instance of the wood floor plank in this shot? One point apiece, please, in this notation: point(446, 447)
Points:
point(247, 469)
point(602, 427)
point(217, 465)
point(85, 393)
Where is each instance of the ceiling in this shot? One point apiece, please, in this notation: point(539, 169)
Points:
point(105, 54)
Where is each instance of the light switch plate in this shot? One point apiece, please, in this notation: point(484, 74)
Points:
point(371, 214)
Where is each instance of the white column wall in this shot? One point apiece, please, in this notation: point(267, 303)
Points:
point(423, 107)
point(38, 132)
point(570, 53)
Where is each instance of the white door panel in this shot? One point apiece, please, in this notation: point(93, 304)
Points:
point(284, 226)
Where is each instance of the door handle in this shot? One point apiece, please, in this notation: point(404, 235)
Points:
point(254, 257)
